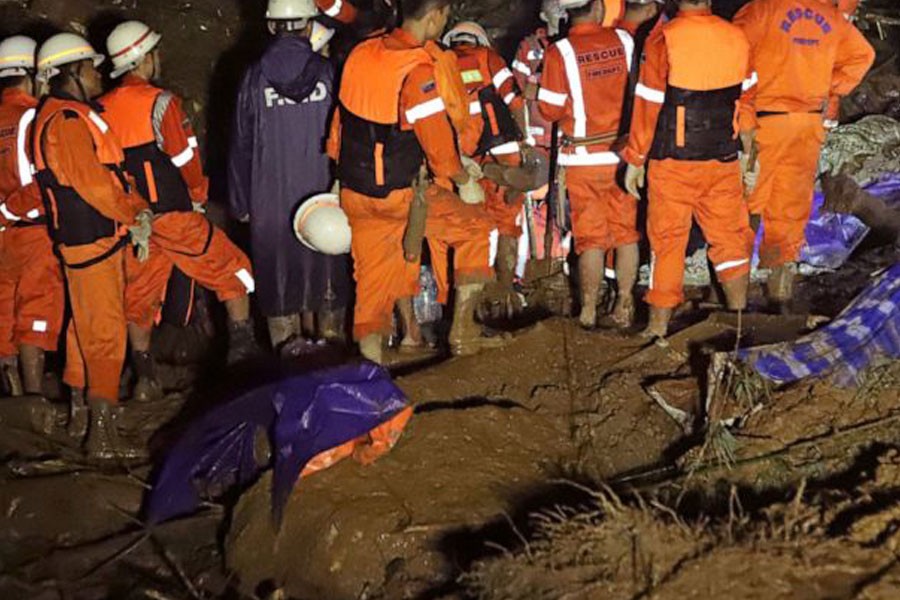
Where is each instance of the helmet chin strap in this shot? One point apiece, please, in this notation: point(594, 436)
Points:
point(77, 78)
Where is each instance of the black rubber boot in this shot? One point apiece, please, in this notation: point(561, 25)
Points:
point(241, 342)
point(103, 441)
point(147, 388)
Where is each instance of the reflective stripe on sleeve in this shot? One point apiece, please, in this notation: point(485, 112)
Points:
point(502, 76)
point(23, 164)
point(183, 158)
point(192, 142)
point(425, 110)
point(593, 159)
point(650, 94)
point(554, 98)
point(522, 68)
point(509, 97)
point(8, 215)
point(475, 108)
point(507, 148)
point(33, 214)
point(750, 81)
point(39, 326)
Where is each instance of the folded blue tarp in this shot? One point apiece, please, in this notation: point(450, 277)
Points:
point(303, 416)
point(864, 334)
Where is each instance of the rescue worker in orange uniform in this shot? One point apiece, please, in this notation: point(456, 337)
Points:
point(807, 56)
point(499, 109)
point(527, 66)
point(639, 13)
point(162, 156)
point(583, 86)
point(695, 90)
point(397, 92)
point(92, 209)
point(32, 299)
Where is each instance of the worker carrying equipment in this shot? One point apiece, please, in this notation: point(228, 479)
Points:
point(583, 85)
point(32, 299)
point(162, 157)
point(807, 56)
point(90, 205)
point(696, 86)
point(401, 98)
point(321, 225)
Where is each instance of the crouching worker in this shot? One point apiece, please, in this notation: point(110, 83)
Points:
point(393, 116)
point(583, 87)
point(31, 287)
point(277, 161)
point(161, 155)
point(688, 106)
point(91, 209)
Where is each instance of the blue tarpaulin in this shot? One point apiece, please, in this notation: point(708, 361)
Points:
point(865, 333)
point(832, 237)
point(303, 416)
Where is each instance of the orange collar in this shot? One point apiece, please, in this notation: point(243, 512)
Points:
point(132, 79)
point(585, 28)
point(17, 96)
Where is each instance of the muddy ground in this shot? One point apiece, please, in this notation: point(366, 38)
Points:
point(540, 471)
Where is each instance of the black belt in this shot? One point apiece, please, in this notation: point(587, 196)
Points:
point(772, 113)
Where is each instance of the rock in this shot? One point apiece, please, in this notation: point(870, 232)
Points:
point(863, 150)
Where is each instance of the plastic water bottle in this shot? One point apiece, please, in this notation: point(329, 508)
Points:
point(425, 303)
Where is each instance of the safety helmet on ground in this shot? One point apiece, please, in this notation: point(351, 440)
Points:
point(291, 10)
point(128, 44)
point(17, 56)
point(321, 225)
point(64, 49)
point(467, 32)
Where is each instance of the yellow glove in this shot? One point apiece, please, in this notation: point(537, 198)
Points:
point(471, 192)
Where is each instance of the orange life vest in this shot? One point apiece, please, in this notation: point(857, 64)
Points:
point(73, 221)
point(698, 120)
point(135, 113)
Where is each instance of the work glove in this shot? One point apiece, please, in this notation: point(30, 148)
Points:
point(471, 192)
point(199, 207)
point(140, 234)
point(634, 180)
point(472, 167)
point(830, 124)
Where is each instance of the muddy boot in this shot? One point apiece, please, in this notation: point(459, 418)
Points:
point(9, 369)
point(283, 329)
point(736, 292)
point(372, 348)
point(622, 316)
point(78, 415)
point(780, 287)
point(590, 270)
point(31, 359)
point(508, 303)
point(333, 325)
point(103, 441)
point(147, 388)
point(466, 335)
point(241, 342)
point(658, 327)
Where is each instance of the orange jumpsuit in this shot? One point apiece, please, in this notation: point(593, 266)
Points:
point(483, 69)
point(688, 102)
point(406, 103)
point(32, 299)
point(807, 56)
point(161, 155)
point(528, 67)
point(583, 86)
point(78, 162)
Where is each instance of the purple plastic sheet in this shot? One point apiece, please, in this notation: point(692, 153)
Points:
point(302, 415)
point(832, 237)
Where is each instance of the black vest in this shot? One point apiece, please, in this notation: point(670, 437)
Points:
point(706, 129)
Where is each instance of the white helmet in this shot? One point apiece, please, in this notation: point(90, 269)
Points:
point(17, 56)
point(128, 44)
point(467, 31)
point(643, 2)
point(63, 49)
point(321, 225)
point(291, 10)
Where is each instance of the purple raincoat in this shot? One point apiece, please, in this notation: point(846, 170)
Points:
point(277, 161)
